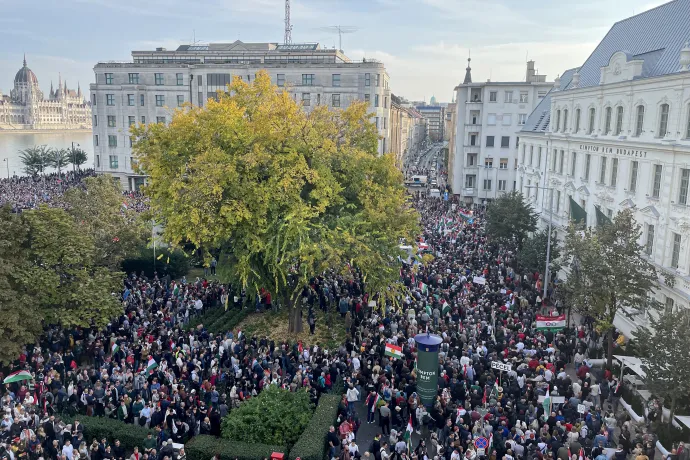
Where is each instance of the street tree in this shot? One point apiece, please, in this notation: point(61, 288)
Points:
point(58, 158)
point(77, 157)
point(607, 275)
point(35, 159)
point(532, 256)
point(663, 349)
point(509, 219)
point(284, 193)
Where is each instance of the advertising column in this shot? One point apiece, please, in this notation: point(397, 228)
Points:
point(427, 367)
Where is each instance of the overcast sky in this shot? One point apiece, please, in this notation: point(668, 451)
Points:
point(423, 43)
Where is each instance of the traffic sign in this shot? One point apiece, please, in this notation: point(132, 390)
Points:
point(503, 367)
point(481, 443)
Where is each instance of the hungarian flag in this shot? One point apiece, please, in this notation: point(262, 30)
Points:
point(445, 308)
point(423, 246)
point(550, 323)
point(393, 351)
point(152, 364)
point(547, 403)
point(423, 287)
point(581, 455)
point(408, 432)
point(114, 348)
point(376, 402)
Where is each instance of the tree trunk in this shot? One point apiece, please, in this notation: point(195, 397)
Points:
point(295, 319)
point(609, 349)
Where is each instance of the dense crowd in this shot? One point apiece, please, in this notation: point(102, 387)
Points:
point(27, 192)
point(146, 368)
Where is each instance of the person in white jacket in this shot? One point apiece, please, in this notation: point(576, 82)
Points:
point(352, 396)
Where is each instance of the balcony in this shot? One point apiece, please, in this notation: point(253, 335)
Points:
point(474, 101)
point(468, 191)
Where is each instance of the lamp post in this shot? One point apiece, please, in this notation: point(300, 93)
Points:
point(7, 163)
point(548, 238)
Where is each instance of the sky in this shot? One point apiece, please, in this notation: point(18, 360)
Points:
point(423, 43)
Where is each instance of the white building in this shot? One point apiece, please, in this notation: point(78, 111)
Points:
point(27, 108)
point(155, 83)
point(615, 134)
point(488, 117)
point(435, 120)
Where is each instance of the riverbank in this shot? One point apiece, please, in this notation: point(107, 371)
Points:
point(44, 131)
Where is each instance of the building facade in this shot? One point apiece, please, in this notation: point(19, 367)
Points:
point(26, 107)
point(614, 134)
point(435, 117)
point(155, 83)
point(488, 117)
point(406, 132)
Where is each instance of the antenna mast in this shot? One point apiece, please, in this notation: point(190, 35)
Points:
point(288, 26)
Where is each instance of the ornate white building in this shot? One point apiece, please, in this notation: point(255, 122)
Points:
point(26, 108)
point(613, 134)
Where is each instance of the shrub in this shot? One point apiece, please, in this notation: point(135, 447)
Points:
point(175, 264)
point(669, 436)
point(204, 447)
point(130, 435)
point(311, 445)
point(276, 416)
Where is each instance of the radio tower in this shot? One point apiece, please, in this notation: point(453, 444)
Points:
point(288, 26)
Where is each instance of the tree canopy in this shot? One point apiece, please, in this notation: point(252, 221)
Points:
point(607, 272)
point(509, 219)
point(532, 256)
point(284, 193)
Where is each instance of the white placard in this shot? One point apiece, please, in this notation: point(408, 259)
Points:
point(478, 280)
point(581, 408)
point(554, 399)
point(503, 367)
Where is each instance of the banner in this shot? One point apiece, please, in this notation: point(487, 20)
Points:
point(394, 351)
point(427, 367)
point(479, 280)
point(550, 323)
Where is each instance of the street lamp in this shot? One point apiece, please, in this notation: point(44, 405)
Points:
point(548, 240)
point(7, 163)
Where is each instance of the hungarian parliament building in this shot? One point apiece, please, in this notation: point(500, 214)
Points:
point(27, 108)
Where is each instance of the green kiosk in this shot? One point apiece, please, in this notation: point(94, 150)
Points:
point(427, 367)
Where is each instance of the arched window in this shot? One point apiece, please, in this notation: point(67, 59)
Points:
point(592, 115)
point(577, 121)
point(639, 122)
point(663, 120)
point(558, 120)
point(565, 120)
point(619, 119)
point(607, 121)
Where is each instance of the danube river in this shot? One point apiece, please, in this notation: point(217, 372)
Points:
point(11, 143)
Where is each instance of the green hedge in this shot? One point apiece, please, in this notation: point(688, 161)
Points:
point(217, 320)
point(311, 445)
point(175, 264)
point(204, 447)
point(130, 435)
point(206, 318)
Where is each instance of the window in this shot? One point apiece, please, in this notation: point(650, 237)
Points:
point(141, 100)
point(560, 164)
point(376, 100)
point(619, 120)
point(318, 102)
point(531, 154)
point(522, 118)
point(378, 79)
point(507, 119)
point(473, 139)
point(112, 141)
point(179, 79)
point(505, 141)
point(367, 79)
point(307, 79)
point(132, 120)
point(108, 79)
point(111, 121)
point(160, 100)
point(523, 154)
point(554, 158)
point(663, 120)
point(588, 161)
point(95, 140)
point(675, 255)
point(95, 120)
point(614, 172)
point(649, 244)
point(367, 98)
point(336, 79)
point(159, 79)
point(565, 120)
point(523, 98)
point(503, 163)
point(577, 121)
point(669, 304)
point(130, 100)
point(633, 176)
point(113, 162)
point(558, 201)
point(687, 129)
point(180, 100)
point(131, 141)
point(491, 119)
point(493, 96)
point(94, 100)
point(683, 194)
point(133, 78)
point(656, 186)
point(160, 120)
point(489, 141)
point(109, 99)
point(573, 163)
point(602, 171)
point(541, 94)
point(488, 163)
point(471, 159)
point(335, 100)
point(280, 79)
point(501, 185)
point(306, 99)
point(558, 121)
point(639, 122)
point(607, 122)
point(592, 115)
point(470, 181)
point(508, 97)
point(143, 120)
point(384, 122)
point(487, 184)
point(539, 158)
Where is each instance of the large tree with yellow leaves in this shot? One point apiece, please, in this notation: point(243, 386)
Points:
point(285, 194)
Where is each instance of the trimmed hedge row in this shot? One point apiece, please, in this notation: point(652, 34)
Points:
point(228, 321)
point(204, 447)
point(130, 435)
point(311, 445)
point(205, 318)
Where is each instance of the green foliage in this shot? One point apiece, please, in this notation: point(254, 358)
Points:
point(35, 159)
point(663, 349)
point(276, 416)
point(58, 158)
point(312, 443)
point(607, 272)
point(219, 321)
point(532, 256)
point(130, 435)
point(509, 219)
point(204, 447)
point(165, 262)
point(283, 192)
point(76, 156)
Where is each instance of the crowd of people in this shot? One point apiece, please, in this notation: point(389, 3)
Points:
point(147, 368)
point(27, 192)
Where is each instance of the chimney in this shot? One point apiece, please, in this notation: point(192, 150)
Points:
point(530, 72)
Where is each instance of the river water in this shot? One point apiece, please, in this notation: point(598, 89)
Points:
point(12, 143)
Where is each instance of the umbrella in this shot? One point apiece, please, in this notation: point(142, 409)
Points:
point(18, 377)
